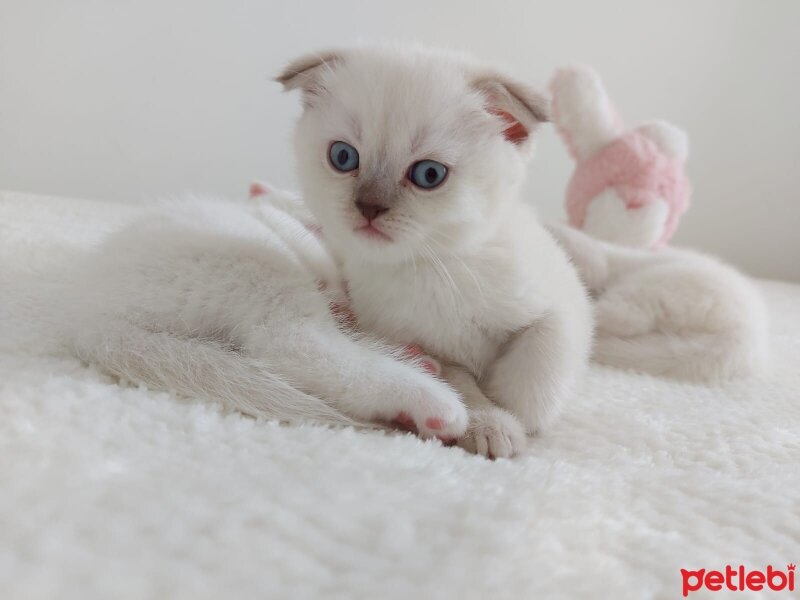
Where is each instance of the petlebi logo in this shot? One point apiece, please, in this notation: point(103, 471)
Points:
point(739, 579)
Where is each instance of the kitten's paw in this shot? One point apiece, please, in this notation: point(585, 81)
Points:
point(494, 433)
point(436, 411)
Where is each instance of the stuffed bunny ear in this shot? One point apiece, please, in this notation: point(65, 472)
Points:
point(520, 107)
point(582, 111)
point(306, 72)
point(671, 141)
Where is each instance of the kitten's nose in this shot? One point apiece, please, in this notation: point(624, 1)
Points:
point(369, 210)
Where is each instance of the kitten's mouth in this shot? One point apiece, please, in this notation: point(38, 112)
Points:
point(369, 230)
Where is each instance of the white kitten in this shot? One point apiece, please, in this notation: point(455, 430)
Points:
point(672, 312)
point(220, 301)
point(412, 162)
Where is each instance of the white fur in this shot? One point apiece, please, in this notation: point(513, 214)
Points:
point(469, 273)
point(273, 197)
point(209, 300)
point(673, 312)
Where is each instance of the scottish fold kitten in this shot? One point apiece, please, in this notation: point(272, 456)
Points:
point(411, 160)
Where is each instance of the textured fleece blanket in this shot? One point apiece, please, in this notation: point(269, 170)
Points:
point(108, 491)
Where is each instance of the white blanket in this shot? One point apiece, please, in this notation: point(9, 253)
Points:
point(120, 492)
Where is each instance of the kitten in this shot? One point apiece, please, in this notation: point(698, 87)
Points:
point(672, 312)
point(411, 161)
point(214, 300)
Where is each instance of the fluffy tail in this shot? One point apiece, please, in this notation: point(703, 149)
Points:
point(697, 357)
point(203, 369)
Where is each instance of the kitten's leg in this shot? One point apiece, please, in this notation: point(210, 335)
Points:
point(361, 379)
point(539, 367)
point(492, 431)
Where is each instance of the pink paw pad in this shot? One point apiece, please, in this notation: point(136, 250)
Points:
point(258, 189)
point(434, 423)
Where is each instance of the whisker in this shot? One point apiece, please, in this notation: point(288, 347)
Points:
point(464, 266)
point(444, 274)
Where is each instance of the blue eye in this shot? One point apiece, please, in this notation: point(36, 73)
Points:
point(427, 174)
point(343, 157)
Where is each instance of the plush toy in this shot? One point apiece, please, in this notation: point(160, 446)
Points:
point(630, 187)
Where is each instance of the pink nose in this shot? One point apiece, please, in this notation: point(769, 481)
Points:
point(369, 210)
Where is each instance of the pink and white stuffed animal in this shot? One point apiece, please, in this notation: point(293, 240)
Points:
point(630, 187)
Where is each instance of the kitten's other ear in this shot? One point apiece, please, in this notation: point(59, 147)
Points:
point(521, 107)
point(305, 73)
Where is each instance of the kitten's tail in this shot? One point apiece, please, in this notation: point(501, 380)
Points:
point(202, 369)
point(702, 357)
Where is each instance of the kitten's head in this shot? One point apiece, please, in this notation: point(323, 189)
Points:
point(401, 152)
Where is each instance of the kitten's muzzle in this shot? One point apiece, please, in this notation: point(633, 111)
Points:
point(370, 210)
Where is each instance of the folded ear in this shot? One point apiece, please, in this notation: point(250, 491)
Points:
point(520, 107)
point(306, 72)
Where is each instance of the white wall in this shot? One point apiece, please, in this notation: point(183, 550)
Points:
point(130, 98)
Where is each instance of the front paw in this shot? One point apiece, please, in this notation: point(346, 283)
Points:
point(494, 433)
